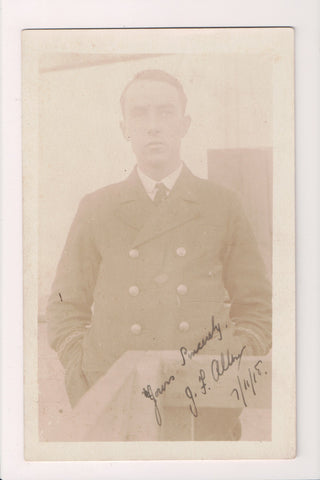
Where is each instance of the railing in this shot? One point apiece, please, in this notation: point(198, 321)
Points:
point(131, 401)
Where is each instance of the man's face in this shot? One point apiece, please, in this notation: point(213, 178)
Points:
point(154, 123)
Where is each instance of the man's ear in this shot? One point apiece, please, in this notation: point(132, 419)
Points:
point(124, 130)
point(185, 125)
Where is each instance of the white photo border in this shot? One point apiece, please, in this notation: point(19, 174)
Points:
point(18, 15)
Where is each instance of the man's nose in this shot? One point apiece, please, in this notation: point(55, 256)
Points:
point(153, 123)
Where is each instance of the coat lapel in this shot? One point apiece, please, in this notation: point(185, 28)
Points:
point(135, 206)
point(167, 217)
point(138, 211)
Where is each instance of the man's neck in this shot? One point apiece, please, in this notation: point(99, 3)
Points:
point(150, 185)
point(157, 174)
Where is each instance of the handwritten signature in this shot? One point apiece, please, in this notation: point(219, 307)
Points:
point(246, 384)
point(148, 391)
point(218, 368)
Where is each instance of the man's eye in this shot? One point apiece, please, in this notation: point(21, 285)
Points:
point(138, 113)
point(166, 113)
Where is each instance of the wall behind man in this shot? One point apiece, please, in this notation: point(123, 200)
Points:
point(81, 147)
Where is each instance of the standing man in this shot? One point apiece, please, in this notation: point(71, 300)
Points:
point(148, 260)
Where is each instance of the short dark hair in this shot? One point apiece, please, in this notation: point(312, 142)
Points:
point(157, 76)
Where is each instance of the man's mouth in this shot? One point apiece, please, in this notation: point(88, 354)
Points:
point(155, 144)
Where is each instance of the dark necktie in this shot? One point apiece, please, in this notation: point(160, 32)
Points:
point(161, 193)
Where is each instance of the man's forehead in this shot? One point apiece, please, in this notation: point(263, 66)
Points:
point(151, 91)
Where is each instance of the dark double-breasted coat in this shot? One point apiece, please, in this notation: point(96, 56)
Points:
point(136, 276)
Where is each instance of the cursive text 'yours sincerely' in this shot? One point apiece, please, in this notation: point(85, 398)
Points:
point(215, 328)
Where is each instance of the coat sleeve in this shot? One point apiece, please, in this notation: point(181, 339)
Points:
point(247, 284)
point(69, 306)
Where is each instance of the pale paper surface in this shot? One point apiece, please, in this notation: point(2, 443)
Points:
point(273, 43)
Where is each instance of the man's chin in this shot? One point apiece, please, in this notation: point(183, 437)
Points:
point(156, 159)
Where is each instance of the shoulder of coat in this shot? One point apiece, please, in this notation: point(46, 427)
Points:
point(209, 190)
point(107, 195)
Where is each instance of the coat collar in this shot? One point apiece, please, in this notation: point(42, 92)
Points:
point(184, 187)
point(137, 209)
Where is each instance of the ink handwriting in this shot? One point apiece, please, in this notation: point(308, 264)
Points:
point(209, 376)
point(248, 384)
point(219, 367)
point(215, 328)
point(148, 393)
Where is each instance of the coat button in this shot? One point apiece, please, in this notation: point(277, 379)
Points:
point(182, 289)
point(135, 329)
point(134, 290)
point(181, 251)
point(134, 253)
point(184, 326)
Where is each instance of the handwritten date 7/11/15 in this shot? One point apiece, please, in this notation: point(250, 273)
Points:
point(246, 385)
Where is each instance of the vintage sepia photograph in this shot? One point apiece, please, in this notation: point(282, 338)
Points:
point(153, 201)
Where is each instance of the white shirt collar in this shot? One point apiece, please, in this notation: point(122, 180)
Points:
point(149, 184)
